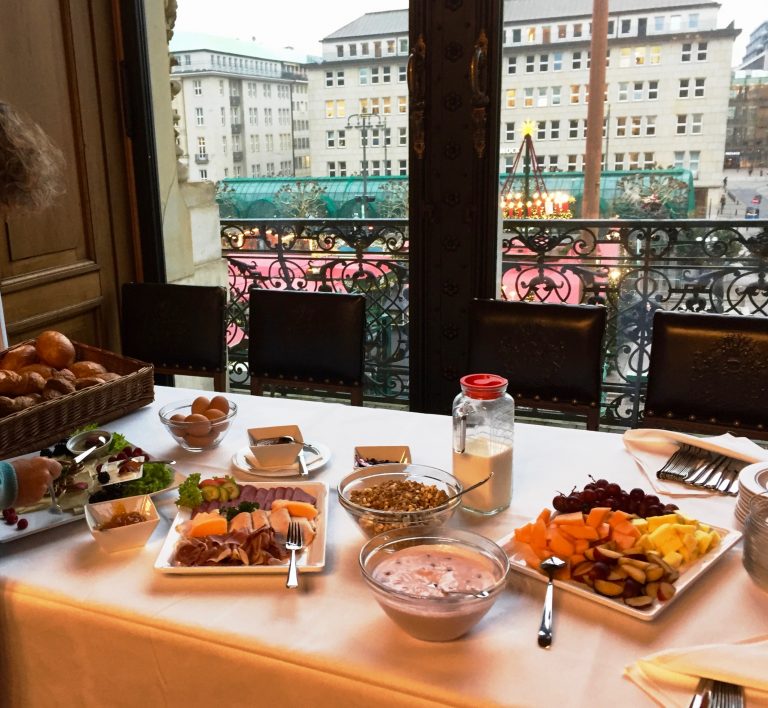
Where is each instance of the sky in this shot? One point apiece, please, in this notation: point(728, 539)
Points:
point(301, 24)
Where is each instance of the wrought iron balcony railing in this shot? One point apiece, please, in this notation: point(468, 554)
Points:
point(342, 255)
point(633, 267)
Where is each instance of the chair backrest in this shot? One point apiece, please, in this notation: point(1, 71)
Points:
point(708, 373)
point(180, 329)
point(550, 353)
point(311, 338)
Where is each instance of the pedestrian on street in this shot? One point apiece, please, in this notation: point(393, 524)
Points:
point(725, 182)
point(722, 204)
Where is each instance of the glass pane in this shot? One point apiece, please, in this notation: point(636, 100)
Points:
point(303, 116)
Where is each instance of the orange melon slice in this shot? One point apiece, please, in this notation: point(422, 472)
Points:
point(207, 524)
point(295, 508)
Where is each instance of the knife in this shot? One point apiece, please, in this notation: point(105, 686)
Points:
point(703, 696)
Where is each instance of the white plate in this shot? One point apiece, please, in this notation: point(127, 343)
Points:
point(43, 519)
point(728, 537)
point(310, 561)
point(753, 479)
point(314, 463)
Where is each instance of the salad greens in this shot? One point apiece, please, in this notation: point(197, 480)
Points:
point(189, 493)
point(157, 475)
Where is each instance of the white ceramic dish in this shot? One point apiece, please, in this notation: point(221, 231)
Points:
point(122, 538)
point(314, 462)
point(687, 577)
point(43, 519)
point(310, 561)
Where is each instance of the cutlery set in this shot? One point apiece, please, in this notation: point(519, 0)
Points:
point(717, 694)
point(700, 468)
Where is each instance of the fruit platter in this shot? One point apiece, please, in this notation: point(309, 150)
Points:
point(93, 480)
point(623, 549)
point(225, 526)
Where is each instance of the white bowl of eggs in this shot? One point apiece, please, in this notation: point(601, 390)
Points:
point(200, 425)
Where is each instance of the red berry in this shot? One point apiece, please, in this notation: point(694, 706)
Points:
point(21, 524)
point(11, 520)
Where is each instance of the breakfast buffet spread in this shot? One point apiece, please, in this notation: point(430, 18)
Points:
point(625, 547)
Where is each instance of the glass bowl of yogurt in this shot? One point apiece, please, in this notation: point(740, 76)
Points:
point(399, 495)
point(435, 586)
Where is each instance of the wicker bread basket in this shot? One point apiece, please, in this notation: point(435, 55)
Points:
point(49, 421)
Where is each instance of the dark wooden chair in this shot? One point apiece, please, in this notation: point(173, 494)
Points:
point(179, 329)
point(708, 374)
point(307, 340)
point(550, 353)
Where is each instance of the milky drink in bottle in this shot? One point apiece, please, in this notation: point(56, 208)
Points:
point(483, 435)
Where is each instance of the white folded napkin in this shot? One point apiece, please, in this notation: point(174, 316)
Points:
point(651, 448)
point(671, 677)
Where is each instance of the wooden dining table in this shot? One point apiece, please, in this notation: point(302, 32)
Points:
point(81, 627)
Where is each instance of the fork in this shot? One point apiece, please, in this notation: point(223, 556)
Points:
point(727, 695)
point(294, 542)
point(680, 463)
point(55, 507)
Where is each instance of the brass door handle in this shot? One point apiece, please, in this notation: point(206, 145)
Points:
point(478, 71)
point(478, 83)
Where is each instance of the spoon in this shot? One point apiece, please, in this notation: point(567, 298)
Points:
point(549, 566)
point(464, 491)
point(82, 455)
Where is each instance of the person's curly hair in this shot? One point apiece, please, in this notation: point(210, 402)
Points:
point(30, 164)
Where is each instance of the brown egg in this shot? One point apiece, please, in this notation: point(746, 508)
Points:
point(213, 414)
point(177, 429)
point(197, 425)
point(201, 404)
point(201, 440)
point(220, 403)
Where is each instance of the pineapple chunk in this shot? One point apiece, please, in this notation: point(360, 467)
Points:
point(673, 558)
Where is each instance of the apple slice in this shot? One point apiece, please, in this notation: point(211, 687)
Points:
point(609, 588)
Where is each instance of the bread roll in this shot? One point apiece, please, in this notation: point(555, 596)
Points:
point(43, 369)
point(109, 376)
point(55, 349)
point(10, 381)
point(87, 382)
point(59, 383)
point(18, 357)
point(49, 394)
point(31, 382)
point(83, 369)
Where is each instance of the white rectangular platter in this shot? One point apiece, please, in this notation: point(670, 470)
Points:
point(44, 519)
point(688, 576)
point(312, 560)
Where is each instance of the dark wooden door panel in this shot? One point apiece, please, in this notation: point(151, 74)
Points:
point(61, 268)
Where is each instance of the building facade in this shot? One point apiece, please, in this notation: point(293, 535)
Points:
point(747, 137)
point(756, 53)
point(358, 98)
point(666, 96)
point(666, 93)
point(242, 109)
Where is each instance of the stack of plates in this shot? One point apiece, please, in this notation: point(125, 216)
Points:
point(753, 480)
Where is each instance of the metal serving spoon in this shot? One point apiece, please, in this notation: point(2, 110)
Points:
point(464, 491)
point(549, 566)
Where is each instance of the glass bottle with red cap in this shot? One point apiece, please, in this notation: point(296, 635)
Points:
point(483, 437)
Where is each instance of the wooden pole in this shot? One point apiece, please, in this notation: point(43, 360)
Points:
point(590, 205)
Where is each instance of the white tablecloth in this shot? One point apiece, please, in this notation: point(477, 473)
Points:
point(81, 627)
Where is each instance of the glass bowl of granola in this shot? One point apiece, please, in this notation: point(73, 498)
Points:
point(393, 496)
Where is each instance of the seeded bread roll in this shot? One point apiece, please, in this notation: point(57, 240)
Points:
point(55, 349)
point(83, 369)
point(20, 356)
point(59, 383)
